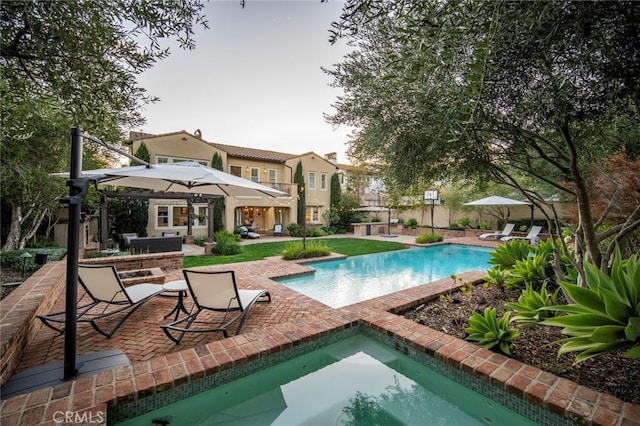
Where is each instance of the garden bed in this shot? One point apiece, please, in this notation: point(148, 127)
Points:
point(609, 373)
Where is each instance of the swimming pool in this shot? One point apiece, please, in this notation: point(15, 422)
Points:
point(355, 381)
point(343, 282)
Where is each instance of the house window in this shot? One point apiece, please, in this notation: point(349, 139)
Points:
point(313, 214)
point(179, 216)
point(163, 217)
point(323, 181)
point(273, 176)
point(200, 219)
point(235, 170)
point(312, 180)
point(255, 174)
point(166, 160)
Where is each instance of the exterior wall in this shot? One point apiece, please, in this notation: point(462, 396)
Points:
point(180, 145)
point(317, 199)
point(265, 211)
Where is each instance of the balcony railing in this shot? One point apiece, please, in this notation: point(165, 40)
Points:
point(289, 188)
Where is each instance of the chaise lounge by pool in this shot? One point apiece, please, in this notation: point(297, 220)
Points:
point(342, 282)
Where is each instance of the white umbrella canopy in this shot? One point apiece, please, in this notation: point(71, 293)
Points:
point(496, 200)
point(184, 177)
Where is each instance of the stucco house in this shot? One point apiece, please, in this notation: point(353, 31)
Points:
point(270, 168)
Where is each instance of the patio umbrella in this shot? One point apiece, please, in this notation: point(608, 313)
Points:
point(496, 200)
point(184, 177)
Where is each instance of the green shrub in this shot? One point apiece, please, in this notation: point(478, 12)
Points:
point(428, 237)
point(604, 315)
point(200, 241)
point(315, 232)
point(490, 331)
point(463, 222)
point(294, 250)
point(532, 270)
point(295, 229)
point(411, 223)
point(506, 255)
point(226, 243)
point(11, 259)
point(496, 276)
point(528, 308)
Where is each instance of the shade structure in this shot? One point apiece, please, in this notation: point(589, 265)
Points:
point(186, 177)
point(496, 200)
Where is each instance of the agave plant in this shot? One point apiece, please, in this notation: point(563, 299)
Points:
point(532, 270)
point(528, 310)
point(506, 255)
point(490, 331)
point(604, 315)
point(496, 276)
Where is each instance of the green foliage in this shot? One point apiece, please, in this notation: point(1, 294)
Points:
point(528, 308)
point(298, 178)
point(218, 206)
point(532, 270)
point(411, 223)
point(506, 255)
point(294, 250)
point(496, 276)
point(604, 315)
point(295, 230)
point(128, 215)
point(490, 331)
point(11, 259)
point(463, 222)
point(226, 243)
point(453, 80)
point(142, 153)
point(428, 237)
point(336, 191)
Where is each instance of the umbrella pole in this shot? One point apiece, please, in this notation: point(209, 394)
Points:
point(73, 245)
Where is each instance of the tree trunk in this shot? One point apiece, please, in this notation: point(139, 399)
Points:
point(14, 229)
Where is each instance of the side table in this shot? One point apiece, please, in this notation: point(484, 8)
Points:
point(179, 286)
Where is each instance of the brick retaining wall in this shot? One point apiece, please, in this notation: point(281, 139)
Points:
point(165, 261)
point(18, 323)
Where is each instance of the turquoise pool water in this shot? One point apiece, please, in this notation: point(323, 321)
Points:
point(340, 283)
point(356, 381)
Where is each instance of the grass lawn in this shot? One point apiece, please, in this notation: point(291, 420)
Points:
point(346, 246)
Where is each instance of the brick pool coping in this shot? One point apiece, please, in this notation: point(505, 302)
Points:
point(88, 397)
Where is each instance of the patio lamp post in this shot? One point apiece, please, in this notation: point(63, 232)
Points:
point(24, 256)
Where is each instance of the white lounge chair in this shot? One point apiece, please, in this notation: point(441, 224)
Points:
point(102, 284)
point(215, 291)
point(532, 236)
point(499, 234)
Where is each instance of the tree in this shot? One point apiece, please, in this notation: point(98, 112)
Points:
point(298, 178)
point(142, 153)
point(218, 207)
point(58, 73)
point(336, 191)
point(495, 91)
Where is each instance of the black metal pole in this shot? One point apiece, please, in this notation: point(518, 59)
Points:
point(433, 204)
point(73, 243)
point(211, 206)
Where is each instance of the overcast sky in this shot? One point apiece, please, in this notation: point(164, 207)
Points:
point(254, 79)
